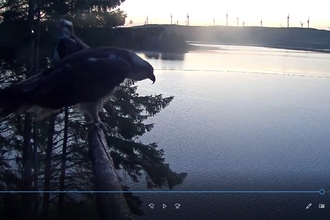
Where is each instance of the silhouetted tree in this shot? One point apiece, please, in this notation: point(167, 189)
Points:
point(126, 113)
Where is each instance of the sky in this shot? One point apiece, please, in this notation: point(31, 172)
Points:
point(273, 13)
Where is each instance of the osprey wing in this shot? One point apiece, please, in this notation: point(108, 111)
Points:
point(84, 76)
point(84, 79)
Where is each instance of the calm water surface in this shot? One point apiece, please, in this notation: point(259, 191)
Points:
point(243, 118)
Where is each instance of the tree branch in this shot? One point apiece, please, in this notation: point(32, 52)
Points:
point(110, 205)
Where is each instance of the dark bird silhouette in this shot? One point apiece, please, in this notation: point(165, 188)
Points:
point(67, 42)
point(85, 79)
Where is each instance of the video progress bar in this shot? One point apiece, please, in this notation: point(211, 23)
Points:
point(321, 192)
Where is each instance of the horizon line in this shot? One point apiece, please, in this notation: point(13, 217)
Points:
point(223, 25)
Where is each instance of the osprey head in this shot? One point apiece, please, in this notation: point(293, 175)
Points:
point(64, 28)
point(141, 69)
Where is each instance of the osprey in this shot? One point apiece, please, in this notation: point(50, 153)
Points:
point(67, 41)
point(85, 79)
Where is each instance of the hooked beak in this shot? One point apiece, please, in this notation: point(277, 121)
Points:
point(153, 78)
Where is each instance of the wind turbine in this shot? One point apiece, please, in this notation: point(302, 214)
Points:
point(227, 18)
point(308, 22)
point(301, 24)
point(187, 19)
point(237, 18)
point(261, 23)
point(213, 21)
point(146, 22)
point(171, 19)
point(288, 20)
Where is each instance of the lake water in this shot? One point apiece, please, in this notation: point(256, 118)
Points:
point(243, 118)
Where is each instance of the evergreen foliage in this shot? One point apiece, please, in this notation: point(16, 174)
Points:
point(53, 154)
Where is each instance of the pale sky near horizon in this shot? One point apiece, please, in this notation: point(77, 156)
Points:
point(273, 13)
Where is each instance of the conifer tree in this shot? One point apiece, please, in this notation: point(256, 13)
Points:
point(126, 114)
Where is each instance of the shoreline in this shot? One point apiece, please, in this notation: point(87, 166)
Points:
point(209, 46)
point(192, 47)
point(289, 38)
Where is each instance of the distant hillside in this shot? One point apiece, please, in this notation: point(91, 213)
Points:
point(138, 39)
point(304, 38)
